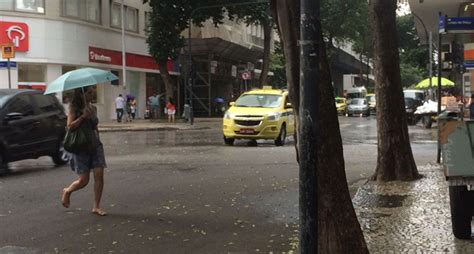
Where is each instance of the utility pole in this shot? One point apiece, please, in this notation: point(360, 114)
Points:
point(430, 41)
point(440, 64)
point(310, 29)
point(124, 60)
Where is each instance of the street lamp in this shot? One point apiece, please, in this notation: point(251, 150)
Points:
point(190, 79)
point(429, 38)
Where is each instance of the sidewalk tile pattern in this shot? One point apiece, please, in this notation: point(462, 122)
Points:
point(421, 223)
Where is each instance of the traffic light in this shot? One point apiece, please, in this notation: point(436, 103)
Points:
point(457, 53)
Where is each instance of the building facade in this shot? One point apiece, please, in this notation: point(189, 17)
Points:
point(52, 37)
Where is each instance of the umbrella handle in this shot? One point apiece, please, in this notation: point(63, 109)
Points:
point(84, 96)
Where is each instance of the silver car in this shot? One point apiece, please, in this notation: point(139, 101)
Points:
point(358, 106)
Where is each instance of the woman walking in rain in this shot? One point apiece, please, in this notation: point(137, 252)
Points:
point(83, 112)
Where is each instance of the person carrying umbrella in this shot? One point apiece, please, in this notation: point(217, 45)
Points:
point(82, 114)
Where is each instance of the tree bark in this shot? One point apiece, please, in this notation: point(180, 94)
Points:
point(338, 228)
point(395, 158)
point(267, 40)
point(165, 76)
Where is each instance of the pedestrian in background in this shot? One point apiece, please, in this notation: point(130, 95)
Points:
point(171, 110)
point(128, 109)
point(133, 107)
point(119, 106)
point(154, 102)
point(82, 112)
point(471, 108)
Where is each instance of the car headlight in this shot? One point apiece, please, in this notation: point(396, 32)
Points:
point(274, 116)
point(228, 115)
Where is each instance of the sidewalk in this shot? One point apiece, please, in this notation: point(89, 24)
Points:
point(409, 217)
point(161, 124)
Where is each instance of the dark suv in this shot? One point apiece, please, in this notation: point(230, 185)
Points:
point(31, 125)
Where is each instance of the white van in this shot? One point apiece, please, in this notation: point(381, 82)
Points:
point(418, 95)
point(356, 92)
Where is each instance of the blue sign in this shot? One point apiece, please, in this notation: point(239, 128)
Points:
point(456, 24)
point(4, 64)
point(469, 66)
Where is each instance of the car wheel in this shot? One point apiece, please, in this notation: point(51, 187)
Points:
point(280, 140)
point(460, 212)
point(229, 141)
point(60, 157)
point(3, 165)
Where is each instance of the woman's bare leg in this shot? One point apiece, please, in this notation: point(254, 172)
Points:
point(80, 183)
point(98, 189)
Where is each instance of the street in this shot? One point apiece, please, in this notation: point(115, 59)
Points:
point(178, 191)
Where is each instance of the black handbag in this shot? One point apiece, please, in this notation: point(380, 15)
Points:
point(79, 140)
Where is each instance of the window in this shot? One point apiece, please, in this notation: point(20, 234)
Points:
point(45, 103)
point(21, 104)
point(35, 6)
point(147, 18)
point(31, 73)
point(131, 17)
point(88, 10)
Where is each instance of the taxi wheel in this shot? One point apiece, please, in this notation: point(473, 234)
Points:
point(280, 140)
point(229, 141)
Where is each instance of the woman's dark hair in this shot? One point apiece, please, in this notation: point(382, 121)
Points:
point(77, 103)
point(170, 100)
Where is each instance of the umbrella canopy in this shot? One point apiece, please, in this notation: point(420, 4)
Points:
point(424, 84)
point(79, 78)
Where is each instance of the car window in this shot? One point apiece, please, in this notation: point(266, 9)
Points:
point(358, 102)
point(21, 104)
point(259, 100)
point(339, 100)
point(45, 103)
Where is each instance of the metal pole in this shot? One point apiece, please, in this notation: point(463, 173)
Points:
point(9, 74)
point(438, 157)
point(124, 61)
point(308, 124)
point(430, 91)
point(190, 75)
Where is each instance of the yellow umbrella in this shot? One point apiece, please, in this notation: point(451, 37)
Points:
point(424, 84)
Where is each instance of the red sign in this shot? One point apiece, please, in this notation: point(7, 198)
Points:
point(106, 56)
point(14, 33)
point(245, 75)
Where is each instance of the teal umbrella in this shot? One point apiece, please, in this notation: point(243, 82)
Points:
point(79, 78)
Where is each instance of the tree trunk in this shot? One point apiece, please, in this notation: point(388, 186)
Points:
point(338, 229)
point(267, 37)
point(395, 158)
point(165, 76)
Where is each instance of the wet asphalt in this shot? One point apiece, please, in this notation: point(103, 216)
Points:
point(178, 191)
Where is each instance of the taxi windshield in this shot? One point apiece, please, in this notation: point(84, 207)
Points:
point(259, 101)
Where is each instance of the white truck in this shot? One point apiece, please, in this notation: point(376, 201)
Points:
point(356, 92)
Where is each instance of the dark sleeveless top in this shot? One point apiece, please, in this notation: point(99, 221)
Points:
point(92, 122)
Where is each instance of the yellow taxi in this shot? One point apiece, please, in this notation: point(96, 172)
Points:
point(341, 105)
point(372, 101)
point(259, 114)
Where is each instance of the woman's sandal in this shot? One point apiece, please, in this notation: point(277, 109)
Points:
point(99, 212)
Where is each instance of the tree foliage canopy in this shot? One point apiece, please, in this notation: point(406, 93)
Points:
point(169, 18)
point(414, 56)
point(342, 20)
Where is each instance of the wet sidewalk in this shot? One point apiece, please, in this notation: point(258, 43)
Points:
point(409, 217)
point(160, 124)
